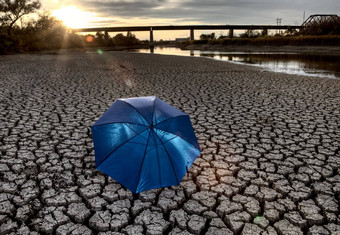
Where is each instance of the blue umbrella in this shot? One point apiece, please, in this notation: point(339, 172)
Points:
point(144, 143)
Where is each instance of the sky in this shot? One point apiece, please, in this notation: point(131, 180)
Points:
point(96, 13)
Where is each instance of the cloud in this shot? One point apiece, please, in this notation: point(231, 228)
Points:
point(123, 8)
point(208, 11)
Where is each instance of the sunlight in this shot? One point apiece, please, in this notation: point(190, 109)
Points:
point(73, 17)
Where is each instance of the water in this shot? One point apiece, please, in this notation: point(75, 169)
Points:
point(291, 63)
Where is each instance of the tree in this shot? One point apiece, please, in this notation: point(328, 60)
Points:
point(250, 34)
point(100, 36)
point(47, 22)
point(128, 40)
point(207, 36)
point(12, 10)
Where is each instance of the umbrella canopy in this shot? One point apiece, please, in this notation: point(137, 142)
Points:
point(144, 143)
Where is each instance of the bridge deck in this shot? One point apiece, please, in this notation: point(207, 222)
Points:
point(185, 27)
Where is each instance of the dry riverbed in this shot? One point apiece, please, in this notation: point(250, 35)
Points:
point(270, 160)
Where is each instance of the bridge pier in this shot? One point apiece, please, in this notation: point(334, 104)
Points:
point(151, 38)
point(265, 32)
point(192, 35)
point(231, 33)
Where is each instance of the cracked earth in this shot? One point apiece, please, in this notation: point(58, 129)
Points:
point(270, 147)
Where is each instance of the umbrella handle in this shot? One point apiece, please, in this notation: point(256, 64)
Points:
point(187, 170)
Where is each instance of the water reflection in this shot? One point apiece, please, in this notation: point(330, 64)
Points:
point(291, 63)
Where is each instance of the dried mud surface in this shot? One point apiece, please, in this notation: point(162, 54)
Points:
point(270, 147)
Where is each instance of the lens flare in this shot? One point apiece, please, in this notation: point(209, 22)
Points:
point(89, 38)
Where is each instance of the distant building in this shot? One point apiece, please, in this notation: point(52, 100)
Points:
point(182, 39)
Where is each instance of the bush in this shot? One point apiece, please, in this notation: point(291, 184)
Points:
point(207, 36)
point(250, 34)
point(128, 40)
point(7, 45)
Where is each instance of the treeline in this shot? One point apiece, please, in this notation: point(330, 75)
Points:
point(45, 32)
point(322, 33)
point(48, 33)
point(118, 40)
point(327, 40)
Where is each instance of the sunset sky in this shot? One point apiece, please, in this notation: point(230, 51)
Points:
point(90, 13)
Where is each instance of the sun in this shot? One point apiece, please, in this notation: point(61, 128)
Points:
point(73, 17)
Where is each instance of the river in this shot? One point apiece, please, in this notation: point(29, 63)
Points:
point(327, 66)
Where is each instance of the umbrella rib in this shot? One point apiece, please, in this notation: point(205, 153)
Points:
point(170, 139)
point(173, 168)
point(133, 130)
point(160, 178)
point(166, 129)
point(140, 171)
point(170, 118)
point(120, 146)
point(141, 116)
point(179, 137)
point(136, 143)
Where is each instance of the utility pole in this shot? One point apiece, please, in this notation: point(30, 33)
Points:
point(278, 22)
point(304, 14)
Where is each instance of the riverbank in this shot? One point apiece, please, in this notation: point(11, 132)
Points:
point(270, 147)
point(311, 50)
point(87, 49)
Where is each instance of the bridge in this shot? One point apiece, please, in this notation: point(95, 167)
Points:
point(192, 28)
